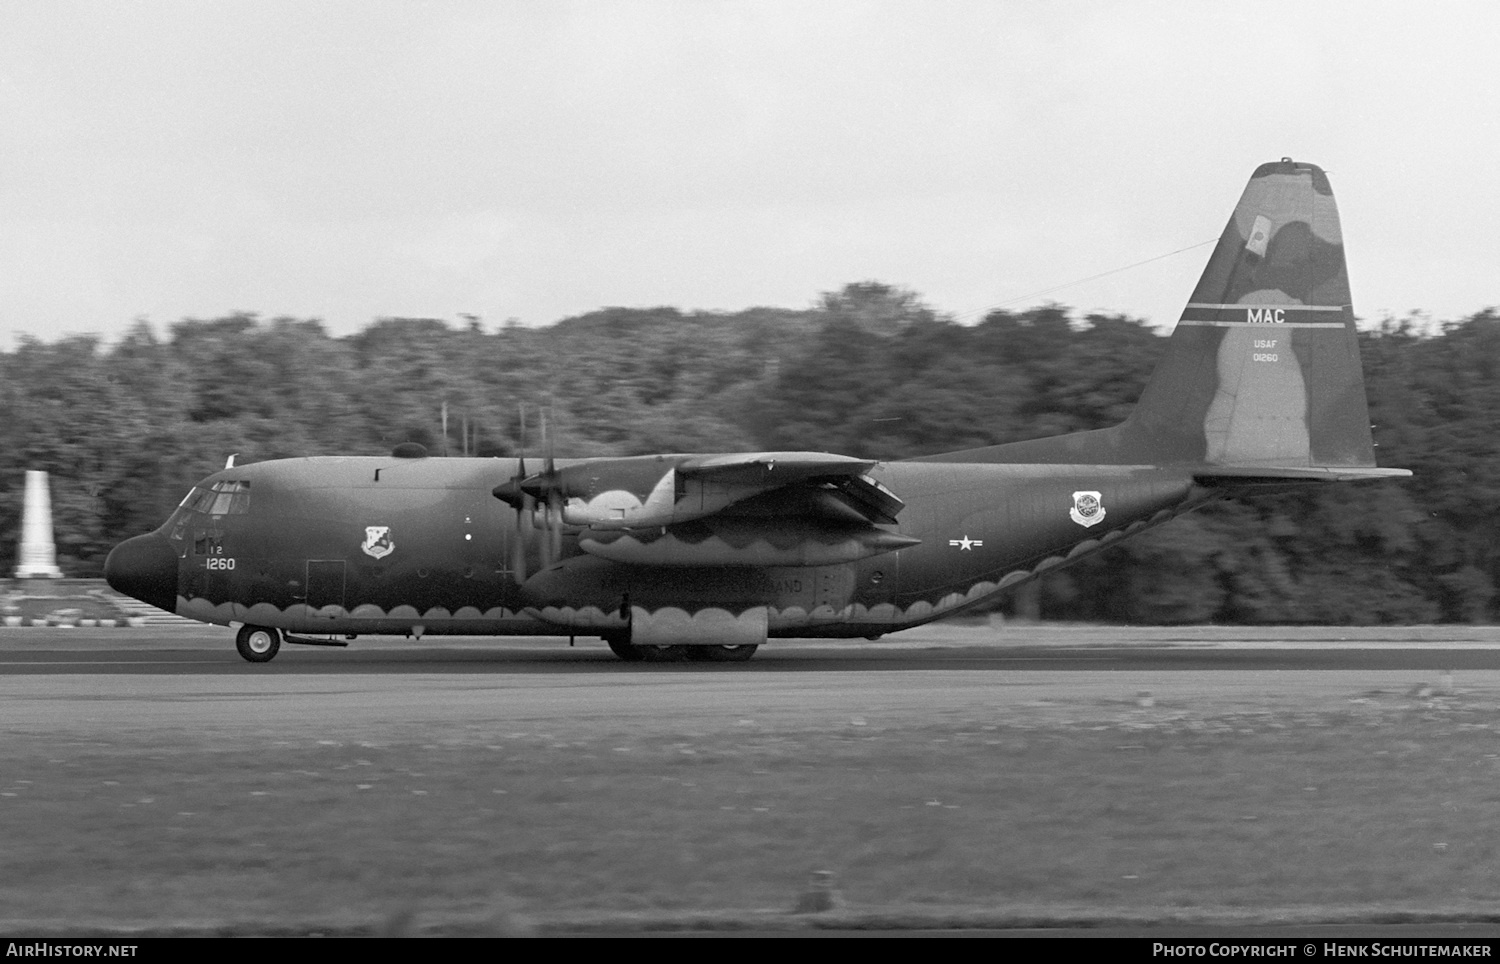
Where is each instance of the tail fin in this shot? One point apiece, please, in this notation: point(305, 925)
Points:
point(1262, 373)
point(1261, 379)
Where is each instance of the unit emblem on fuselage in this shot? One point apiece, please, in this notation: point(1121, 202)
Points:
point(378, 542)
point(1088, 509)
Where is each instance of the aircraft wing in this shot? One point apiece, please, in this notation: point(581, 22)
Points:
point(660, 490)
point(817, 472)
point(776, 468)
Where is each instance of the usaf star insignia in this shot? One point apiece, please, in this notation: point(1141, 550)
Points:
point(965, 544)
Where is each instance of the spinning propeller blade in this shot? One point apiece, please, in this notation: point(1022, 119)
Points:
point(552, 547)
point(524, 492)
point(513, 493)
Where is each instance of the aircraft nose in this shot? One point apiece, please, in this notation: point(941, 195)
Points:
point(144, 568)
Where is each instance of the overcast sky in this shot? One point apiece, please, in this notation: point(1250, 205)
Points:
point(348, 161)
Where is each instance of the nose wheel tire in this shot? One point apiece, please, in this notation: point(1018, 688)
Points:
point(258, 644)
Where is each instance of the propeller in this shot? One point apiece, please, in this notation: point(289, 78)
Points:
point(512, 493)
point(523, 492)
point(552, 492)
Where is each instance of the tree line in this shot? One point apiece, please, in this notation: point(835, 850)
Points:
point(125, 429)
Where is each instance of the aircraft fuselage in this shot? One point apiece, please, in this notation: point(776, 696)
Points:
point(1259, 389)
point(422, 546)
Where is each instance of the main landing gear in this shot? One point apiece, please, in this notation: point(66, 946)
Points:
point(258, 644)
point(633, 653)
point(721, 654)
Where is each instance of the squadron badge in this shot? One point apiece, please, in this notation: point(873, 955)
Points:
point(378, 542)
point(1087, 509)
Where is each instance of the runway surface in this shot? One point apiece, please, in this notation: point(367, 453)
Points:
point(91, 680)
point(973, 648)
point(188, 690)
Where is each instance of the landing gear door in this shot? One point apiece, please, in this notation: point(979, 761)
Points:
point(325, 588)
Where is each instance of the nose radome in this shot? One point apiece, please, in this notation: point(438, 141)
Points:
point(144, 568)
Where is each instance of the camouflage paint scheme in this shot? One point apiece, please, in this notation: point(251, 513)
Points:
point(1260, 389)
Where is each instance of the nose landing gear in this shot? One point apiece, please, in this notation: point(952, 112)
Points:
point(258, 644)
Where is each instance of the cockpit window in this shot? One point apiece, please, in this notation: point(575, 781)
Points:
point(222, 498)
point(198, 500)
point(240, 504)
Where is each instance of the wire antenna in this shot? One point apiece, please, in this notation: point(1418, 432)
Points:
point(1093, 277)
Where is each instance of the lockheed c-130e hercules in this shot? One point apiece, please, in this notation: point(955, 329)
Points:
point(709, 556)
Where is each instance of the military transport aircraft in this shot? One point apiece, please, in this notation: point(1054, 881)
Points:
point(708, 556)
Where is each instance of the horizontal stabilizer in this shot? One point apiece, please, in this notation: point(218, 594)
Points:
point(1228, 475)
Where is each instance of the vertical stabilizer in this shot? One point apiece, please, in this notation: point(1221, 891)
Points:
point(1263, 368)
